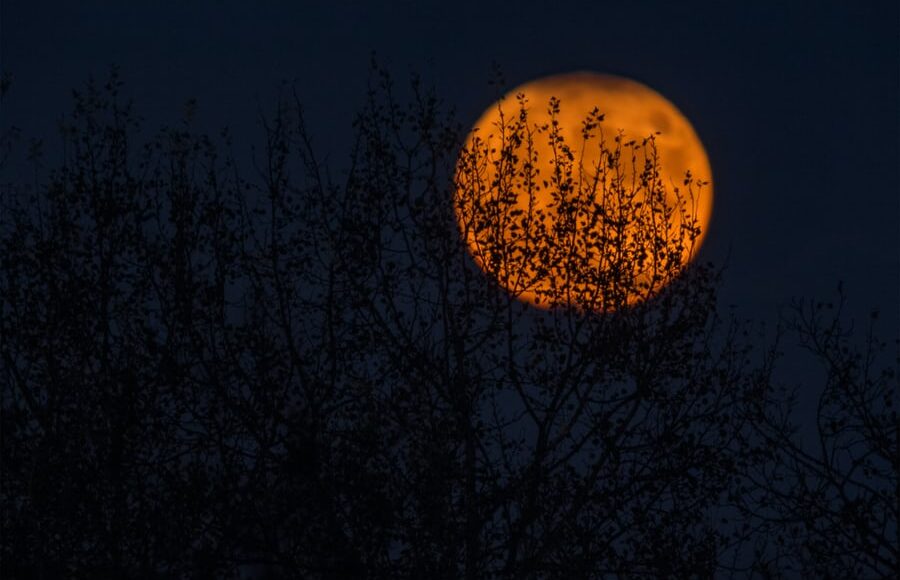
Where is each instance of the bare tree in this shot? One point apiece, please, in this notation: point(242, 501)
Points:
point(826, 505)
point(523, 442)
point(224, 369)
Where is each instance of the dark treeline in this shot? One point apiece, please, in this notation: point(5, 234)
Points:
point(220, 368)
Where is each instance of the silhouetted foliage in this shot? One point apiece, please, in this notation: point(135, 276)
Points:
point(828, 508)
point(220, 369)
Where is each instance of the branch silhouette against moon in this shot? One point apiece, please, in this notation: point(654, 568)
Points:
point(583, 190)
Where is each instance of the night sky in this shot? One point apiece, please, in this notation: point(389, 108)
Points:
point(796, 102)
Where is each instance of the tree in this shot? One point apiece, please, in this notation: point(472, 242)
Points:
point(570, 443)
point(286, 375)
point(828, 508)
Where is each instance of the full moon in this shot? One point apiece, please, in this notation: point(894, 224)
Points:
point(583, 189)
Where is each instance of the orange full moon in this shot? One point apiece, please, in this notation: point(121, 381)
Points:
point(583, 190)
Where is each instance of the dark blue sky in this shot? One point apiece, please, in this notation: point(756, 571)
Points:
point(796, 102)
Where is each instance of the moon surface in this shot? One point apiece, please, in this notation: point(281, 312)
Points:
point(530, 267)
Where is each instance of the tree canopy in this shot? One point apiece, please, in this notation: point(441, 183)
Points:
point(222, 368)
